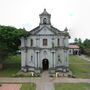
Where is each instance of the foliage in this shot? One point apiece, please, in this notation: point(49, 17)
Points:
point(13, 59)
point(11, 66)
point(3, 52)
point(78, 42)
point(72, 86)
point(86, 45)
point(10, 40)
point(87, 51)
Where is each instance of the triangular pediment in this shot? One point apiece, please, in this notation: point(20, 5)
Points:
point(45, 30)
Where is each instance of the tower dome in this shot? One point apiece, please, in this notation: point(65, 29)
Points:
point(45, 18)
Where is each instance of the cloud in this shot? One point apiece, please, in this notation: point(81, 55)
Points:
point(74, 14)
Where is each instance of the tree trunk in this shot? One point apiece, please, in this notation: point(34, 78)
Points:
point(1, 66)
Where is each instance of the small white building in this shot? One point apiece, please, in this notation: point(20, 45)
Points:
point(74, 50)
point(46, 48)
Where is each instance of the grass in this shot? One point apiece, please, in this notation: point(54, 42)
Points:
point(71, 86)
point(11, 66)
point(28, 86)
point(8, 72)
point(79, 67)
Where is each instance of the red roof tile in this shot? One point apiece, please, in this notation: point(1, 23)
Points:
point(74, 46)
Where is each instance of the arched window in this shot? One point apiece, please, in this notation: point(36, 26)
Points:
point(58, 42)
point(31, 58)
point(31, 42)
point(44, 21)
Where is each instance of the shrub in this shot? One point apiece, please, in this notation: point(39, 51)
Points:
point(87, 51)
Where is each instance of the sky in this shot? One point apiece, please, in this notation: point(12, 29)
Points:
point(73, 14)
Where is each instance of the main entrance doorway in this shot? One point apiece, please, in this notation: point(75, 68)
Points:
point(45, 64)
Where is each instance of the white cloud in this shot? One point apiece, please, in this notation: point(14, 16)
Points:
point(74, 14)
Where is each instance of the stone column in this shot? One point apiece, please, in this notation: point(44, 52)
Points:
point(23, 59)
point(67, 58)
point(61, 41)
point(37, 59)
point(22, 42)
point(66, 42)
point(54, 59)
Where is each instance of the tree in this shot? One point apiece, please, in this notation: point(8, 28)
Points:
point(9, 40)
point(79, 41)
point(86, 43)
point(76, 40)
point(84, 46)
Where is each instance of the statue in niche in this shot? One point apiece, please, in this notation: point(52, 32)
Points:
point(52, 44)
point(59, 59)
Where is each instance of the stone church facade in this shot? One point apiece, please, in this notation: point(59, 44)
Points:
point(46, 48)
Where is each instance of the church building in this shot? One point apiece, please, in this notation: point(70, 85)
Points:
point(46, 48)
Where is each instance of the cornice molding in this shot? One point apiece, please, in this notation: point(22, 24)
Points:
point(38, 48)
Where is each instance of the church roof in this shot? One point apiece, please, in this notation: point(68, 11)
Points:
point(34, 30)
point(53, 29)
point(49, 27)
point(37, 29)
point(74, 46)
point(45, 13)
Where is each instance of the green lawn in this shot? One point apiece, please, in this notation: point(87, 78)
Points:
point(28, 87)
point(66, 86)
point(79, 67)
point(9, 72)
point(11, 66)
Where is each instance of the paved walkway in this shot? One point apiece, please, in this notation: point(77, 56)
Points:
point(44, 82)
point(39, 80)
point(84, 57)
point(41, 83)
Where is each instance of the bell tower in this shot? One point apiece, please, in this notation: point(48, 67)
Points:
point(45, 18)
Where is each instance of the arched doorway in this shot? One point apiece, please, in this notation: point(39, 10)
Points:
point(45, 64)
